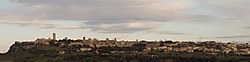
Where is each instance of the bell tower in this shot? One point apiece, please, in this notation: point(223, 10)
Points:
point(54, 37)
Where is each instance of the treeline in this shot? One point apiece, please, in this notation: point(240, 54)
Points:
point(143, 58)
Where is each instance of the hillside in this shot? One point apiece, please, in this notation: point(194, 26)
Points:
point(25, 52)
point(31, 52)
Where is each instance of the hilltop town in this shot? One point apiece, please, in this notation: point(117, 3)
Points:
point(113, 47)
point(207, 47)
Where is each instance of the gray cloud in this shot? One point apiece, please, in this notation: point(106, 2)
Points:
point(239, 36)
point(30, 23)
point(48, 27)
point(123, 28)
point(72, 27)
point(231, 9)
point(129, 27)
point(172, 33)
point(118, 14)
point(247, 27)
point(108, 11)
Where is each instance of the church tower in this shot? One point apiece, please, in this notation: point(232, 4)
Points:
point(54, 36)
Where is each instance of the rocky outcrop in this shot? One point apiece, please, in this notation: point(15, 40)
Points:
point(21, 46)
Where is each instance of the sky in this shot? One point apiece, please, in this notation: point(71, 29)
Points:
point(196, 20)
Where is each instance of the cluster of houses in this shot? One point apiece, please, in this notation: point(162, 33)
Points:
point(208, 47)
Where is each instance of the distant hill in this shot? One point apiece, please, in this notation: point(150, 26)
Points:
point(31, 52)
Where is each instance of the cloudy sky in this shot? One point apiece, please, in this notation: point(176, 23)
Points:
point(220, 20)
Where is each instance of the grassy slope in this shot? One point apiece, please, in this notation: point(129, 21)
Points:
point(24, 55)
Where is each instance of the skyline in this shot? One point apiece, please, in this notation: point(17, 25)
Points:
point(223, 20)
